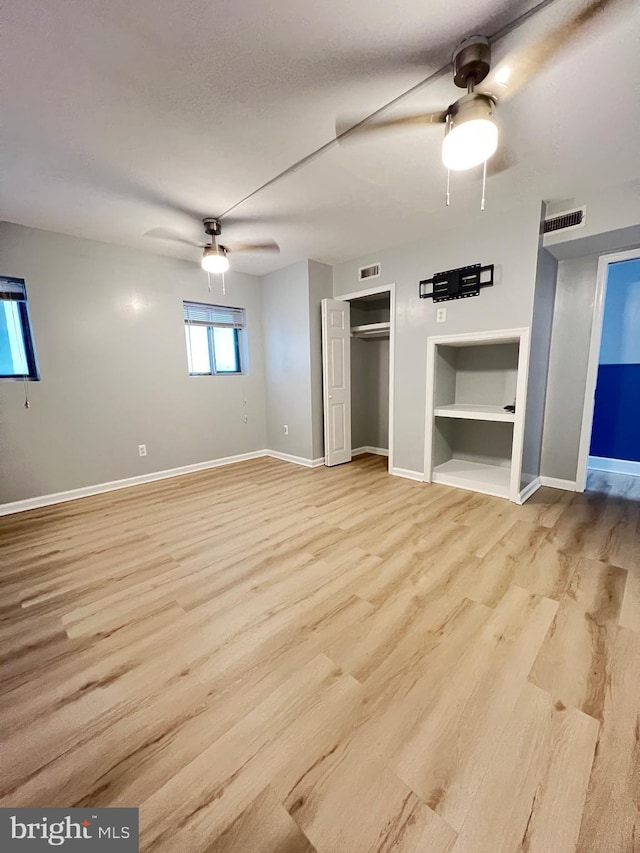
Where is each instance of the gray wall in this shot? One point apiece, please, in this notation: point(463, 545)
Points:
point(568, 357)
point(612, 222)
point(378, 395)
point(508, 239)
point(369, 393)
point(320, 287)
point(109, 335)
point(541, 326)
point(359, 391)
point(287, 360)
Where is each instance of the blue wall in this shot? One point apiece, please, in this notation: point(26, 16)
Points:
point(616, 417)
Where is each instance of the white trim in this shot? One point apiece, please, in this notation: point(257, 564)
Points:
point(496, 337)
point(522, 337)
point(555, 483)
point(377, 451)
point(594, 358)
point(297, 460)
point(408, 475)
point(100, 488)
point(529, 490)
point(370, 291)
point(391, 290)
point(614, 466)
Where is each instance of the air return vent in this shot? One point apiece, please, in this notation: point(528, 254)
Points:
point(372, 271)
point(566, 221)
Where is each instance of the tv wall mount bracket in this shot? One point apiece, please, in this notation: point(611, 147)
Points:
point(460, 283)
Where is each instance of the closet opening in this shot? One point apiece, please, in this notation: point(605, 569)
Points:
point(370, 374)
point(358, 375)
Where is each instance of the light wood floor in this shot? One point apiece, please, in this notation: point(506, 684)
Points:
point(270, 659)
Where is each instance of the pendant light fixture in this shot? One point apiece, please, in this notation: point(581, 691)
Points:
point(214, 259)
point(471, 134)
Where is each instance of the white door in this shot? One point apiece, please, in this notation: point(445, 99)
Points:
point(336, 381)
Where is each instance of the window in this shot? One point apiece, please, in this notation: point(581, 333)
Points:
point(17, 353)
point(213, 338)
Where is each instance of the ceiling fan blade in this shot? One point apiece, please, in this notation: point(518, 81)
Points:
point(265, 246)
point(517, 69)
point(172, 236)
point(502, 160)
point(347, 127)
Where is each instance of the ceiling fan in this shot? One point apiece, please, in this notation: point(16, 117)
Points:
point(471, 134)
point(214, 257)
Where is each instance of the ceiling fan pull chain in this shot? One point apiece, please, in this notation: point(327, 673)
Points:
point(448, 185)
point(484, 183)
point(209, 277)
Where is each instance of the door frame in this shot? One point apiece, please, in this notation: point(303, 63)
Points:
point(372, 291)
point(604, 261)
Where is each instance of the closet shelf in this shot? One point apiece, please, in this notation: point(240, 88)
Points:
point(475, 476)
point(371, 330)
point(473, 412)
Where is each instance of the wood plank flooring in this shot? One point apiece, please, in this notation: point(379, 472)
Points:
point(269, 659)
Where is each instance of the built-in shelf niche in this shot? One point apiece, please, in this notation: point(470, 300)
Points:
point(480, 378)
point(473, 442)
point(473, 454)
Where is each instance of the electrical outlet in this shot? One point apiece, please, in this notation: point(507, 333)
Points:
point(441, 315)
point(285, 429)
point(142, 450)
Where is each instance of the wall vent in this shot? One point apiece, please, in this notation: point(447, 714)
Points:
point(566, 221)
point(372, 271)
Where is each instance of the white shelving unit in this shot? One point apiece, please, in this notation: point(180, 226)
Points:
point(475, 412)
point(471, 441)
point(490, 479)
point(371, 330)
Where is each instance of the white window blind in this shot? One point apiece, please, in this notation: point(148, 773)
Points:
point(200, 314)
point(12, 289)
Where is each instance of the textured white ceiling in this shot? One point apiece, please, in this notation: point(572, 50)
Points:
point(123, 117)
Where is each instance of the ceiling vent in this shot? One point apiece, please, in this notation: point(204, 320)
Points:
point(567, 221)
point(372, 271)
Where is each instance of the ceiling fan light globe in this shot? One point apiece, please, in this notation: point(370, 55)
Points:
point(469, 143)
point(215, 260)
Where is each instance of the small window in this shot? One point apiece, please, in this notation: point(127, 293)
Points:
point(17, 353)
point(213, 335)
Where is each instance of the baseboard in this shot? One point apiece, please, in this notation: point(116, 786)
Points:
point(377, 451)
point(529, 490)
point(554, 483)
point(407, 474)
point(100, 488)
point(297, 460)
point(614, 466)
